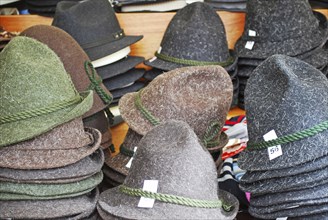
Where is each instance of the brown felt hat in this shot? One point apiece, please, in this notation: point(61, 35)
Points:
point(66, 144)
point(200, 96)
point(73, 58)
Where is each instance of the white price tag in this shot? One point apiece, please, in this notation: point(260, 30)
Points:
point(128, 165)
point(251, 33)
point(152, 59)
point(151, 186)
point(249, 45)
point(274, 151)
point(282, 218)
point(159, 50)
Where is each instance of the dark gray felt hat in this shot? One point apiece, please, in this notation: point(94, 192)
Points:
point(281, 27)
point(295, 94)
point(94, 26)
point(136, 86)
point(200, 96)
point(195, 36)
point(124, 80)
point(172, 154)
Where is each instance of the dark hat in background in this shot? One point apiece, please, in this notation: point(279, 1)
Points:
point(43, 7)
point(182, 161)
point(124, 80)
point(228, 5)
point(152, 74)
point(136, 86)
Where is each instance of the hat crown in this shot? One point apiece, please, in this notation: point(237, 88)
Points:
point(196, 32)
point(32, 77)
point(279, 19)
point(172, 154)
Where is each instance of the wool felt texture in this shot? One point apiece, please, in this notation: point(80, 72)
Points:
point(98, 35)
point(197, 95)
point(113, 175)
point(50, 209)
point(118, 162)
point(50, 10)
point(152, 73)
point(177, 171)
point(34, 79)
point(320, 216)
point(227, 5)
point(118, 93)
point(100, 122)
point(49, 151)
point(44, 3)
point(291, 82)
point(125, 79)
point(71, 173)
point(15, 191)
point(245, 71)
point(73, 58)
point(196, 32)
point(282, 27)
point(119, 67)
point(312, 166)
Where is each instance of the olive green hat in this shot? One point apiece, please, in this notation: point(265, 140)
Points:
point(36, 93)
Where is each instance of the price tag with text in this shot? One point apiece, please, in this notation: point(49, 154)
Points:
point(274, 151)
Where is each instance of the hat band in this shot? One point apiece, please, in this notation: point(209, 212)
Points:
point(40, 111)
point(115, 36)
point(95, 83)
point(193, 62)
point(289, 138)
point(179, 200)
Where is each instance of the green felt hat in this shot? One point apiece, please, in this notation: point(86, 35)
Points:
point(36, 93)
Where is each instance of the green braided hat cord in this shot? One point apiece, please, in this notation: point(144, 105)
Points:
point(125, 151)
point(179, 200)
point(289, 138)
point(192, 62)
point(40, 111)
point(95, 83)
point(152, 119)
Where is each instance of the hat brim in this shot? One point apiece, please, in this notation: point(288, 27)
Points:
point(21, 130)
point(245, 71)
point(113, 175)
point(124, 80)
point(118, 93)
point(152, 73)
point(113, 202)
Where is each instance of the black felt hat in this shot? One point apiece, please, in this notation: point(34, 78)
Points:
point(124, 80)
point(94, 26)
point(288, 96)
point(118, 93)
point(195, 36)
point(281, 27)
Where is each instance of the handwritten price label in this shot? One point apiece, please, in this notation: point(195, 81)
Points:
point(274, 151)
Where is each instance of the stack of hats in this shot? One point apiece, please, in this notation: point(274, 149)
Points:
point(50, 165)
point(84, 77)
point(195, 37)
point(286, 158)
point(180, 94)
point(94, 25)
point(173, 170)
point(228, 5)
point(43, 7)
point(280, 27)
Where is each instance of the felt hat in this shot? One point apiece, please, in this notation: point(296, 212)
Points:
point(288, 83)
point(113, 175)
point(200, 96)
point(36, 94)
point(82, 169)
point(118, 93)
point(281, 27)
point(228, 5)
point(195, 36)
point(152, 73)
point(73, 208)
point(124, 80)
point(172, 154)
point(76, 63)
point(66, 144)
point(99, 35)
point(319, 216)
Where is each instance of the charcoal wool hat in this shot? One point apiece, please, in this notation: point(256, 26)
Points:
point(194, 37)
point(124, 80)
point(200, 96)
point(76, 63)
point(113, 175)
point(66, 144)
point(293, 90)
point(118, 93)
point(280, 27)
point(93, 24)
point(172, 154)
point(36, 92)
point(80, 170)
point(73, 208)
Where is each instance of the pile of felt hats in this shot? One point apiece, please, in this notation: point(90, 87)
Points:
point(286, 158)
point(180, 94)
point(228, 5)
point(166, 169)
point(94, 25)
point(50, 164)
point(195, 37)
point(280, 27)
point(43, 7)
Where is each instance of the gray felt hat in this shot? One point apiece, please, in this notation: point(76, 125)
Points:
point(319, 216)
point(172, 154)
point(113, 175)
point(136, 86)
point(93, 24)
point(200, 96)
point(36, 92)
point(80, 170)
point(67, 208)
point(124, 80)
point(281, 27)
point(195, 36)
point(296, 92)
point(64, 145)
